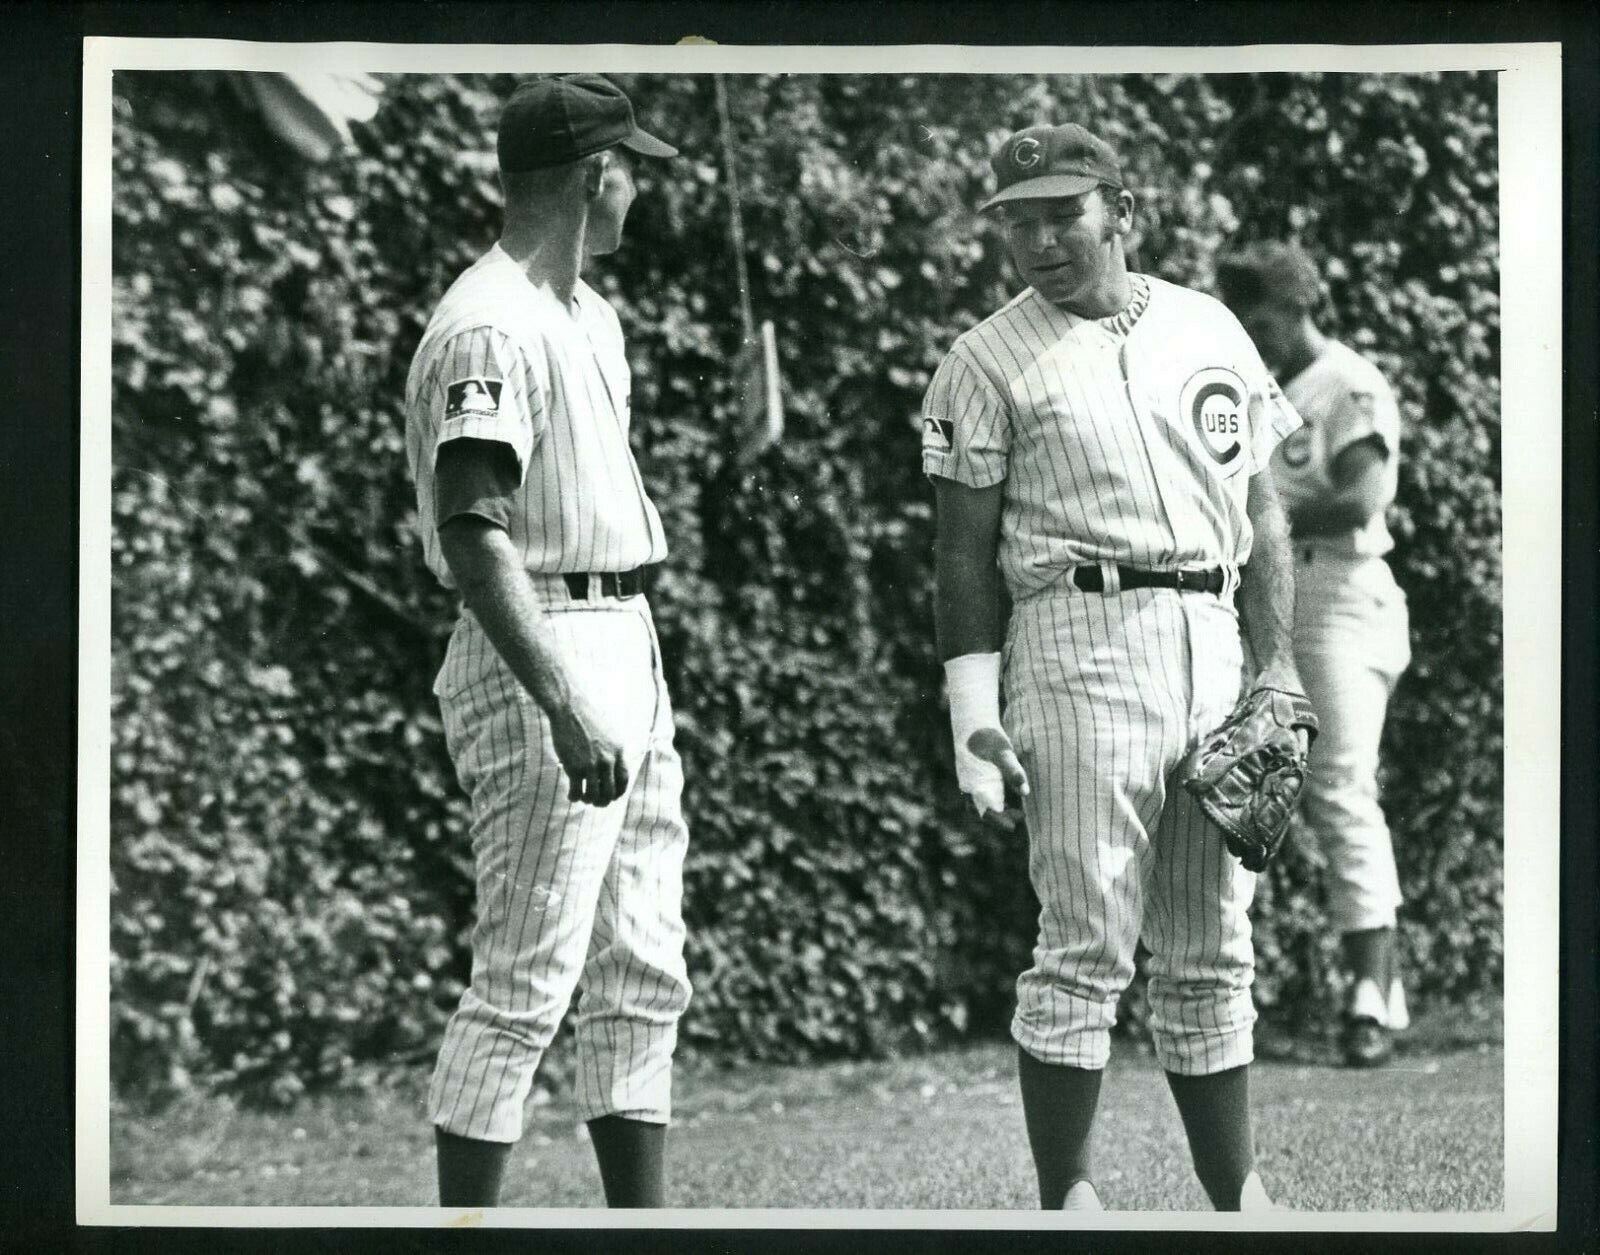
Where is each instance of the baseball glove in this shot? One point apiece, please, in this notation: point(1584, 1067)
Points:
point(1247, 775)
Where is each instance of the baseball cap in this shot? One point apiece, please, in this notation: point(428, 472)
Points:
point(558, 118)
point(1268, 268)
point(1046, 161)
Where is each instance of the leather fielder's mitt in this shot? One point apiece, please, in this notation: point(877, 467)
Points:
point(1247, 775)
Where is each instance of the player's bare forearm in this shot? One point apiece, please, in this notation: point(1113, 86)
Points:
point(967, 600)
point(492, 584)
point(1266, 585)
point(489, 573)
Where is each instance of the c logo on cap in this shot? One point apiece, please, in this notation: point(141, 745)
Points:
point(1026, 153)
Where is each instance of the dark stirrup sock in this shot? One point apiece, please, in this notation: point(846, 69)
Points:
point(1058, 1103)
point(470, 1171)
point(1216, 1116)
point(632, 1158)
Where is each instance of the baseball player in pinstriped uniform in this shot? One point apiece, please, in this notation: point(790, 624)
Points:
point(1351, 634)
point(555, 709)
point(1101, 444)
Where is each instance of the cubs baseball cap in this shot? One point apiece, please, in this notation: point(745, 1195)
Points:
point(1267, 269)
point(1046, 161)
point(557, 118)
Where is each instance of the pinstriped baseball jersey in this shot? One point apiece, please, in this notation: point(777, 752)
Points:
point(1125, 439)
point(502, 360)
point(1343, 398)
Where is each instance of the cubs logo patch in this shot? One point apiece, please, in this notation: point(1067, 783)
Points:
point(1215, 399)
point(472, 398)
point(1026, 153)
point(937, 434)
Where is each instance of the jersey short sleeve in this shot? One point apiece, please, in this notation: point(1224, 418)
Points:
point(488, 388)
point(1365, 410)
point(966, 425)
point(1272, 416)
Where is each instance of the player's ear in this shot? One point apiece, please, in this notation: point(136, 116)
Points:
point(594, 173)
point(1122, 212)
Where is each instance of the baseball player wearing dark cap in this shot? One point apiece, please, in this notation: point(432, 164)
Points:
point(1351, 636)
point(1101, 444)
point(555, 710)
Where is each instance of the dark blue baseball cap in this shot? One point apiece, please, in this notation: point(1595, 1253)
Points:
point(559, 118)
point(1043, 162)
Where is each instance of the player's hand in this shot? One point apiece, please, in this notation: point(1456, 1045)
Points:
point(1000, 808)
point(1283, 674)
point(592, 757)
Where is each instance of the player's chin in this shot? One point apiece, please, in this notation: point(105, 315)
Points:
point(1054, 282)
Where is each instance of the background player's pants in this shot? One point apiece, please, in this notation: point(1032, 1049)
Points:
point(1105, 694)
point(1351, 643)
point(568, 895)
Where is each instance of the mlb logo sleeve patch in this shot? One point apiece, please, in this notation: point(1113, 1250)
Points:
point(472, 398)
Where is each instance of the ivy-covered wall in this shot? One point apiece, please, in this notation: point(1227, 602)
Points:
point(290, 877)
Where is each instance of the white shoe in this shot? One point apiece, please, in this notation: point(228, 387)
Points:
point(1082, 1197)
point(1399, 1017)
point(1253, 1195)
point(1367, 1002)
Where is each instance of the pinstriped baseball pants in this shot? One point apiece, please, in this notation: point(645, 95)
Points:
point(570, 897)
point(1105, 694)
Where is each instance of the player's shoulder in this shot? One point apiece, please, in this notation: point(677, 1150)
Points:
point(1353, 369)
point(490, 299)
point(1000, 334)
point(1175, 300)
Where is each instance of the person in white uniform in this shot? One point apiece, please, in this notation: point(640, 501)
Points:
point(555, 710)
point(1338, 475)
point(1101, 445)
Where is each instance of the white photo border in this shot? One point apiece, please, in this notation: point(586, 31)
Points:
point(1530, 129)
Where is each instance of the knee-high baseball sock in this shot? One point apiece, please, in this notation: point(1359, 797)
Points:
point(1216, 1116)
point(1369, 954)
point(1058, 1104)
point(632, 1156)
point(470, 1171)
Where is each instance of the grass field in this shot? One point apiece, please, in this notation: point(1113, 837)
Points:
point(939, 1131)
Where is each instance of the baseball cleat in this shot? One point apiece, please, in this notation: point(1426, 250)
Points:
point(1365, 1043)
point(1082, 1197)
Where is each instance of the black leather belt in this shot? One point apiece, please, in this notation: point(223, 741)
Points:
point(605, 584)
point(1092, 580)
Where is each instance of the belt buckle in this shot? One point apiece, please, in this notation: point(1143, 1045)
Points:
point(1184, 581)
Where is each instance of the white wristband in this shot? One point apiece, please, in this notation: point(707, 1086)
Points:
point(973, 684)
